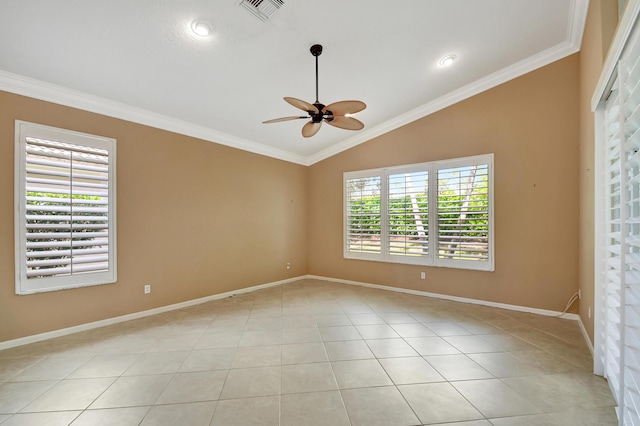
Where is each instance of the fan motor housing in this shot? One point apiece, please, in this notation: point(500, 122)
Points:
point(317, 117)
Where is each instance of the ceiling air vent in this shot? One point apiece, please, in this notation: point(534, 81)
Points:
point(262, 9)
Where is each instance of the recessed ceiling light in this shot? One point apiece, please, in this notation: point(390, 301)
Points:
point(446, 61)
point(201, 28)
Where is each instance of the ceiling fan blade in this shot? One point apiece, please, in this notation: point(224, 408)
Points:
point(298, 103)
point(310, 129)
point(348, 123)
point(277, 120)
point(345, 107)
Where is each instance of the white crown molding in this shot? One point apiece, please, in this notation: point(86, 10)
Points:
point(57, 94)
point(519, 69)
point(577, 21)
point(532, 63)
point(37, 89)
point(575, 29)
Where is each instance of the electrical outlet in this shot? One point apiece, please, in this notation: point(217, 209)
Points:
point(579, 294)
point(147, 288)
point(589, 312)
point(423, 275)
point(288, 265)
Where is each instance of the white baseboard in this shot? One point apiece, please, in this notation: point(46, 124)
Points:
point(530, 310)
point(109, 321)
point(585, 335)
point(574, 317)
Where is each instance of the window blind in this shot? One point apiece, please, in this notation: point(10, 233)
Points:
point(437, 213)
point(463, 213)
point(66, 226)
point(67, 208)
point(408, 214)
point(629, 71)
point(621, 324)
point(613, 275)
point(363, 215)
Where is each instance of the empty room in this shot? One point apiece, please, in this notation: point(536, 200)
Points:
point(268, 212)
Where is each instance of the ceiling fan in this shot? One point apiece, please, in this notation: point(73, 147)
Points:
point(337, 114)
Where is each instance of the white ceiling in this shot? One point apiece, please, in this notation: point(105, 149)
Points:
point(138, 60)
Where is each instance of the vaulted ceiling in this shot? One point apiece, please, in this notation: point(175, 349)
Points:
point(140, 61)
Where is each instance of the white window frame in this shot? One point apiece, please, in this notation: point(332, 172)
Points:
point(432, 259)
point(24, 285)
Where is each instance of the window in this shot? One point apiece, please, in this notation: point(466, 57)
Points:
point(436, 213)
point(617, 232)
point(65, 209)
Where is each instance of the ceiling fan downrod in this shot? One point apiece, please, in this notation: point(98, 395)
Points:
point(338, 114)
point(316, 50)
point(317, 117)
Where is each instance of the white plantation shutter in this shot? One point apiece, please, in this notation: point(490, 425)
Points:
point(65, 229)
point(407, 214)
point(403, 215)
point(629, 71)
point(620, 330)
point(463, 213)
point(363, 215)
point(615, 255)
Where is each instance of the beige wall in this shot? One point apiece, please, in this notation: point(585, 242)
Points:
point(194, 219)
point(531, 125)
point(197, 218)
point(599, 29)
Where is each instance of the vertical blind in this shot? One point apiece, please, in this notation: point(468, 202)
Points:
point(67, 223)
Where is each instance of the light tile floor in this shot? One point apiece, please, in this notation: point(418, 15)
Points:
point(311, 353)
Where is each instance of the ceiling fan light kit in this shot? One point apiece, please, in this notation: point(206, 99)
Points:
point(337, 114)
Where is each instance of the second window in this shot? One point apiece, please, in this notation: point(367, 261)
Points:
point(438, 213)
